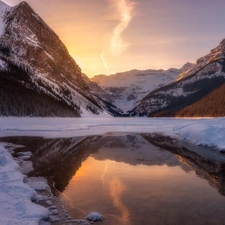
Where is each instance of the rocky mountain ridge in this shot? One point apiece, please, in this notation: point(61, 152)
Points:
point(126, 89)
point(33, 57)
point(192, 93)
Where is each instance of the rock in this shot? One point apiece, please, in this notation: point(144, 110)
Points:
point(95, 217)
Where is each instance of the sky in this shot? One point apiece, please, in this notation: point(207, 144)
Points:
point(109, 36)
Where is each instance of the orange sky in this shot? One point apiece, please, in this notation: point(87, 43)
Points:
point(108, 36)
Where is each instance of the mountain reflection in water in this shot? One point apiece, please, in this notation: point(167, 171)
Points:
point(133, 178)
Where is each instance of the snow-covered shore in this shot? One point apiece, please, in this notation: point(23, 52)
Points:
point(208, 133)
point(16, 206)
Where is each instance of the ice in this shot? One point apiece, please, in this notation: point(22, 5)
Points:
point(95, 217)
point(207, 132)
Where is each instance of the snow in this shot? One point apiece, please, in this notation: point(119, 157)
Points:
point(134, 85)
point(2, 65)
point(95, 217)
point(207, 132)
point(16, 206)
point(128, 88)
point(49, 55)
point(214, 56)
point(3, 9)
point(37, 183)
point(210, 133)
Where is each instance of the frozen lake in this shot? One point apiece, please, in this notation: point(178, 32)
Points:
point(132, 179)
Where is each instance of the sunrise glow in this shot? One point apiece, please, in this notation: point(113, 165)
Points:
point(119, 35)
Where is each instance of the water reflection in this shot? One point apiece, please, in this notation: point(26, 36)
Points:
point(208, 163)
point(133, 178)
point(117, 189)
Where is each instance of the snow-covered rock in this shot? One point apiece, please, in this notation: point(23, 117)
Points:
point(95, 217)
point(16, 197)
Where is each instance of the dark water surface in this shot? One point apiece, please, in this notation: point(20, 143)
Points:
point(132, 179)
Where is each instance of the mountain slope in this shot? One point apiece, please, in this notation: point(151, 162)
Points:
point(211, 104)
point(128, 88)
point(105, 99)
point(194, 89)
point(34, 57)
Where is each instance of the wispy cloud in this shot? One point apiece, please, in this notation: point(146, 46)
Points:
point(103, 59)
point(125, 10)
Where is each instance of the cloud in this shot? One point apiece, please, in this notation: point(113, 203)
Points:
point(125, 11)
point(103, 59)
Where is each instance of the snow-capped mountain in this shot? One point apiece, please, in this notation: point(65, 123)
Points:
point(104, 98)
point(199, 91)
point(38, 76)
point(128, 88)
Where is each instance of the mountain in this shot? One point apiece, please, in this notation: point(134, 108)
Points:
point(199, 91)
point(105, 99)
point(128, 88)
point(38, 77)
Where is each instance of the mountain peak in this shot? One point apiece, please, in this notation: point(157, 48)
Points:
point(187, 66)
point(24, 6)
point(24, 3)
point(33, 55)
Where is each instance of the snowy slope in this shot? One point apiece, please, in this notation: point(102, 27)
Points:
point(207, 62)
point(104, 99)
point(128, 88)
point(34, 57)
point(4, 8)
point(195, 84)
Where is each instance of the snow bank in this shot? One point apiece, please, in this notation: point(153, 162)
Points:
point(16, 206)
point(208, 133)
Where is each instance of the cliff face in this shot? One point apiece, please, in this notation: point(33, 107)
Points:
point(34, 56)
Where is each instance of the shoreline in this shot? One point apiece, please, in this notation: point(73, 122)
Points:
point(44, 196)
point(208, 132)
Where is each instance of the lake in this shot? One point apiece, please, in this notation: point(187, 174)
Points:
point(132, 179)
